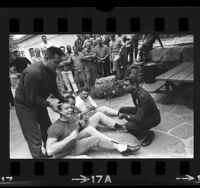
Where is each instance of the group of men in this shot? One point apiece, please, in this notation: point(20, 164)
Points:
point(74, 133)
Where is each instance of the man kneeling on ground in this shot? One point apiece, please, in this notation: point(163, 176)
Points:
point(68, 136)
point(143, 116)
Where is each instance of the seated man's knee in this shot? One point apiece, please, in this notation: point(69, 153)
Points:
point(95, 140)
point(122, 110)
point(101, 109)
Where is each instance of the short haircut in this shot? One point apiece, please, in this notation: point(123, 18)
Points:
point(43, 36)
point(132, 79)
point(69, 97)
point(15, 51)
point(85, 89)
point(52, 51)
point(61, 47)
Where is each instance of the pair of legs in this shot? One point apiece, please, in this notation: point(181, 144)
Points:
point(60, 82)
point(90, 138)
point(79, 77)
point(142, 130)
point(90, 74)
point(34, 125)
point(68, 79)
point(108, 111)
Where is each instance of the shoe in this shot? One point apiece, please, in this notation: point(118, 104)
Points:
point(131, 150)
point(149, 138)
point(118, 126)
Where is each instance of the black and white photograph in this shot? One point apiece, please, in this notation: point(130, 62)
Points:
point(101, 96)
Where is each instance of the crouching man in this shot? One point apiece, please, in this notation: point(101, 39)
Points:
point(142, 117)
point(68, 136)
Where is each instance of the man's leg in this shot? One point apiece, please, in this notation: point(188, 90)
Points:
point(93, 74)
point(99, 117)
point(107, 110)
point(82, 77)
point(77, 79)
point(106, 67)
point(61, 83)
point(44, 122)
point(128, 110)
point(28, 120)
point(87, 75)
point(71, 79)
point(66, 80)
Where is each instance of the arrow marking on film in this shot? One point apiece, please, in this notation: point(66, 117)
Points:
point(83, 179)
point(187, 178)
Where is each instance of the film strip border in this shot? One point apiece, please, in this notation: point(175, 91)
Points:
point(70, 172)
point(127, 172)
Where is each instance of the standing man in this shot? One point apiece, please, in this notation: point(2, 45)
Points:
point(148, 41)
point(44, 44)
point(79, 42)
point(89, 64)
point(144, 116)
point(102, 55)
point(66, 71)
point(78, 67)
point(118, 56)
point(37, 82)
point(19, 63)
point(37, 56)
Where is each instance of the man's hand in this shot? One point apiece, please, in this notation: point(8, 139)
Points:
point(74, 134)
point(82, 122)
point(91, 108)
point(122, 115)
point(54, 107)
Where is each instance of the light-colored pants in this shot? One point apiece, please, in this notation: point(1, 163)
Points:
point(68, 78)
point(90, 138)
point(99, 117)
point(108, 111)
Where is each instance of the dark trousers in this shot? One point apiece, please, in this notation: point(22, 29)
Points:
point(121, 67)
point(34, 125)
point(79, 77)
point(139, 130)
point(130, 54)
point(145, 48)
point(90, 74)
point(103, 68)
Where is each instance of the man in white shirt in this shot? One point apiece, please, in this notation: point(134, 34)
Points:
point(85, 103)
point(45, 44)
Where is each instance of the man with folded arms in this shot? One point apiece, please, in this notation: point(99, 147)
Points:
point(70, 136)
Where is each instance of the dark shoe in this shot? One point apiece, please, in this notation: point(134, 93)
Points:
point(149, 138)
point(131, 150)
point(118, 126)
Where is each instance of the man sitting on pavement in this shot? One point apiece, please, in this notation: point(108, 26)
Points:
point(84, 102)
point(142, 117)
point(68, 136)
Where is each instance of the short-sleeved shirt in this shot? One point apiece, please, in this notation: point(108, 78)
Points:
point(115, 45)
point(36, 59)
point(84, 104)
point(60, 130)
point(101, 51)
point(77, 62)
point(45, 45)
point(79, 44)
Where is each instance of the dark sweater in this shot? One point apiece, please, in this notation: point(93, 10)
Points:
point(145, 105)
point(36, 84)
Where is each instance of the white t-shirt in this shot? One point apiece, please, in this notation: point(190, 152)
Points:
point(84, 104)
point(47, 45)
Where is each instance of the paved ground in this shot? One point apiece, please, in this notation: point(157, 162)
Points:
point(174, 135)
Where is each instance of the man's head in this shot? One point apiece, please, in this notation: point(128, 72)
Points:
point(63, 49)
point(112, 37)
point(131, 83)
point(44, 39)
point(84, 93)
point(69, 49)
point(88, 44)
point(75, 49)
point(37, 52)
point(70, 99)
point(99, 41)
point(52, 58)
point(67, 109)
point(16, 53)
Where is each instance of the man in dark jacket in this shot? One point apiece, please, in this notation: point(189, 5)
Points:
point(37, 82)
point(143, 116)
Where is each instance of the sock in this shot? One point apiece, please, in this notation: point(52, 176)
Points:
point(117, 126)
point(121, 147)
